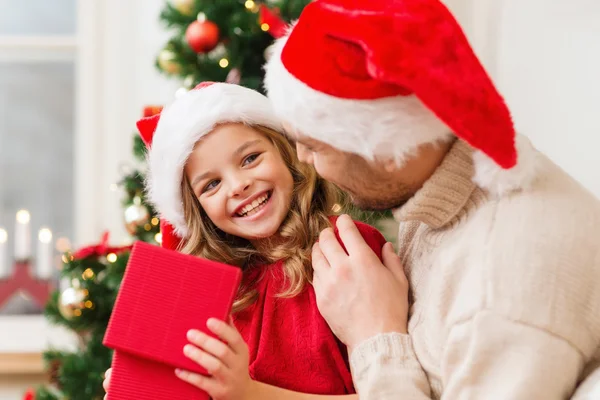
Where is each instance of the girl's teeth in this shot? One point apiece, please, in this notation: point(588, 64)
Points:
point(250, 209)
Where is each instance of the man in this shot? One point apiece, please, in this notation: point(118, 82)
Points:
point(500, 246)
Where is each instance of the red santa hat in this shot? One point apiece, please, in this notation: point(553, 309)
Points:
point(382, 77)
point(171, 135)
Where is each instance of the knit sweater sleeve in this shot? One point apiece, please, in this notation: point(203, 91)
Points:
point(386, 367)
point(487, 357)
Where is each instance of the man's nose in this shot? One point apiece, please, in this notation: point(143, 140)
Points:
point(304, 154)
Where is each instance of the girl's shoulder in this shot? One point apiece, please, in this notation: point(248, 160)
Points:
point(372, 236)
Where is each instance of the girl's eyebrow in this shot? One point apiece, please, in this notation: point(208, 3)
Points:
point(199, 178)
point(244, 146)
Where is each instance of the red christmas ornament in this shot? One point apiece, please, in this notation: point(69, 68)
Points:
point(29, 395)
point(202, 36)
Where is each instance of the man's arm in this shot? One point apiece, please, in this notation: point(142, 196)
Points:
point(487, 357)
point(492, 357)
point(262, 391)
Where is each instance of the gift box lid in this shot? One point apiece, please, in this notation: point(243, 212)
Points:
point(164, 294)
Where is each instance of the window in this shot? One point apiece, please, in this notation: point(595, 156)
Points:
point(37, 114)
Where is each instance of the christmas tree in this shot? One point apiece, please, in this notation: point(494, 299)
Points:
point(224, 40)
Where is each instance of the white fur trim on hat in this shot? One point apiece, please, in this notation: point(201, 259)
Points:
point(182, 124)
point(391, 127)
point(499, 181)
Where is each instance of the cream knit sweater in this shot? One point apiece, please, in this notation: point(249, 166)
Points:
point(505, 291)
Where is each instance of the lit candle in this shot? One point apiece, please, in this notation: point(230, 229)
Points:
point(3, 265)
point(44, 254)
point(22, 236)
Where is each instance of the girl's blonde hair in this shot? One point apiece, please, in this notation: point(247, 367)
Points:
point(312, 205)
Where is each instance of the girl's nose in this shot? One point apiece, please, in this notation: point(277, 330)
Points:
point(239, 187)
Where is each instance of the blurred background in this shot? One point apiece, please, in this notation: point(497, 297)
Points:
point(75, 75)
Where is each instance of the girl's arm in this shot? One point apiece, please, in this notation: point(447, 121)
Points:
point(262, 391)
point(226, 361)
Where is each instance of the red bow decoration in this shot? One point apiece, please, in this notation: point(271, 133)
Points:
point(100, 249)
point(152, 110)
point(277, 26)
point(147, 125)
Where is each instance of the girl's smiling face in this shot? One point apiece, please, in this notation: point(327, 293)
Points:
point(241, 181)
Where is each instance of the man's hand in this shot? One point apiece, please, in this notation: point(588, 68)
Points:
point(358, 296)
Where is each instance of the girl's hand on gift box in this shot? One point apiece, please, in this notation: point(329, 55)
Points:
point(106, 382)
point(226, 361)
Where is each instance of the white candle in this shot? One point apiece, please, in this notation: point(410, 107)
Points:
point(44, 254)
point(4, 270)
point(22, 236)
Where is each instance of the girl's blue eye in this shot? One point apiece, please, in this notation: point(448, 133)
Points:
point(251, 158)
point(211, 185)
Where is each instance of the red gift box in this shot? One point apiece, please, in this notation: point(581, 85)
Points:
point(163, 295)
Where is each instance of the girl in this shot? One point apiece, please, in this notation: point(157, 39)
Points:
point(232, 190)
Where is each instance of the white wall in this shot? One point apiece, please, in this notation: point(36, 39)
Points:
point(549, 70)
point(544, 55)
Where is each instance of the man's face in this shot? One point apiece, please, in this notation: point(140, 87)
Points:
point(368, 183)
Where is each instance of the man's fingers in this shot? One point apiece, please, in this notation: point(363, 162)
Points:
point(393, 262)
point(350, 235)
point(319, 262)
point(331, 248)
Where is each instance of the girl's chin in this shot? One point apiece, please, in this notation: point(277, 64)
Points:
point(260, 234)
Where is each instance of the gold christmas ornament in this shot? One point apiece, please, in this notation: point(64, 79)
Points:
point(252, 6)
point(71, 301)
point(168, 63)
point(185, 7)
point(136, 215)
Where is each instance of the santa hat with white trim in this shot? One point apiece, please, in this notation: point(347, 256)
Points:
point(171, 135)
point(379, 78)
